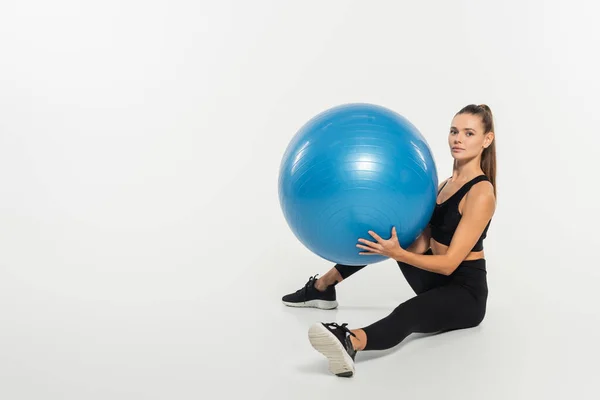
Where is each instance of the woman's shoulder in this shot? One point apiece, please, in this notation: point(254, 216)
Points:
point(482, 188)
point(481, 194)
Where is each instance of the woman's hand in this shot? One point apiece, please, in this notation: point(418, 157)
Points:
point(390, 248)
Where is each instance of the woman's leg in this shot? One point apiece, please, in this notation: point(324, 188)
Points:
point(441, 309)
point(419, 280)
point(320, 293)
point(460, 303)
point(336, 274)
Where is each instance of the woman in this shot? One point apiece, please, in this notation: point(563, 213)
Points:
point(445, 266)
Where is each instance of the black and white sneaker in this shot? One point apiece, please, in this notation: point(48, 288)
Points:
point(333, 341)
point(309, 296)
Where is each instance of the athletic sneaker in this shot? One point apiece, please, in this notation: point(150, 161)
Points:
point(333, 341)
point(309, 296)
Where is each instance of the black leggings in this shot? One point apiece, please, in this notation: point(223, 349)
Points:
point(443, 303)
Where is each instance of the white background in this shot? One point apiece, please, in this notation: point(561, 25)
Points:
point(143, 253)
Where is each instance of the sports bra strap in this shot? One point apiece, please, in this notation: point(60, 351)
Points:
point(466, 187)
point(443, 186)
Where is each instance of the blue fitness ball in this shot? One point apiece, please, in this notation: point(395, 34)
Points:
point(355, 168)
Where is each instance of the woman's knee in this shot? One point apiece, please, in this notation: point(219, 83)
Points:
point(477, 317)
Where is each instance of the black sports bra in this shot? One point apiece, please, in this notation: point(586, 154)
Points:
point(446, 216)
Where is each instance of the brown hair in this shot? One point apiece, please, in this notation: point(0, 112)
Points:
point(488, 157)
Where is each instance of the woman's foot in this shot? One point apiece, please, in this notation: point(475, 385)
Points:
point(310, 296)
point(334, 342)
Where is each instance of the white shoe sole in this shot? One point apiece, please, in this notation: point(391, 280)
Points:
point(326, 343)
point(322, 304)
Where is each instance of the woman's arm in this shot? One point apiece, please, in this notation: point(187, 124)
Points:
point(421, 244)
point(479, 208)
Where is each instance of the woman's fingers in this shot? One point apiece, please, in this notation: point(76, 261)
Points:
point(376, 236)
point(372, 245)
point(371, 249)
point(367, 242)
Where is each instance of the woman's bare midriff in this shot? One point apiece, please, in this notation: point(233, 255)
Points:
point(440, 249)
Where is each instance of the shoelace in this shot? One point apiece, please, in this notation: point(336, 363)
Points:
point(309, 284)
point(343, 327)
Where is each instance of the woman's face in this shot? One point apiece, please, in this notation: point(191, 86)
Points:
point(466, 138)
